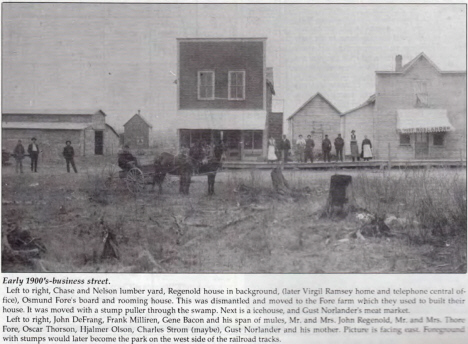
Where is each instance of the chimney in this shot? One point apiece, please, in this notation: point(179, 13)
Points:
point(398, 63)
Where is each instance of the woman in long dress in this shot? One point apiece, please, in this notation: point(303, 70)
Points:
point(271, 150)
point(366, 149)
point(354, 146)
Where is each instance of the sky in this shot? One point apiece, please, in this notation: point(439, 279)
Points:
point(122, 57)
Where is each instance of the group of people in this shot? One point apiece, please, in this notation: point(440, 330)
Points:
point(279, 151)
point(19, 154)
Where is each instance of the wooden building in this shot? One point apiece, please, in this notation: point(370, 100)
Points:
point(137, 132)
point(420, 111)
point(317, 117)
point(87, 130)
point(223, 94)
point(417, 112)
point(361, 120)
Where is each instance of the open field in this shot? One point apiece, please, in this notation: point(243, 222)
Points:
point(244, 228)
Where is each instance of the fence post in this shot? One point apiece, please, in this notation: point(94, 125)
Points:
point(389, 157)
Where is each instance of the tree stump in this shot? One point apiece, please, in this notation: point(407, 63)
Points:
point(340, 197)
point(280, 183)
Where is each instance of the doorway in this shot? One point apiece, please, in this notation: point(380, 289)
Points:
point(98, 142)
point(421, 145)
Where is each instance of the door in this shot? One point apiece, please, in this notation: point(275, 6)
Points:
point(421, 145)
point(98, 142)
point(253, 144)
point(232, 143)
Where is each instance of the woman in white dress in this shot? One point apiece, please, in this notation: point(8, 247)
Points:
point(366, 149)
point(271, 150)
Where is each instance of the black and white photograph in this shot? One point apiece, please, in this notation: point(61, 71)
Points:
point(234, 138)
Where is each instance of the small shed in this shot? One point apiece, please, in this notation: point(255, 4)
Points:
point(137, 132)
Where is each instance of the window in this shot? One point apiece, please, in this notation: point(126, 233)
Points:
point(420, 90)
point(237, 85)
point(253, 139)
point(405, 139)
point(439, 139)
point(206, 84)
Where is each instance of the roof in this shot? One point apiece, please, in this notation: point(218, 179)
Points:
point(411, 63)
point(318, 94)
point(224, 39)
point(370, 100)
point(142, 118)
point(62, 112)
point(423, 120)
point(45, 125)
point(221, 119)
point(111, 128)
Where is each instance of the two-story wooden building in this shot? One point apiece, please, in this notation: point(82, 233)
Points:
point(420, 111)
point(223, 94)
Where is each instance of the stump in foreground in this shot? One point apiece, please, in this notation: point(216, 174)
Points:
point(280, 183)
point(340, 198)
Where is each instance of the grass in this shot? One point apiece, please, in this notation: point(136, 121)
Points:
point(245, 227)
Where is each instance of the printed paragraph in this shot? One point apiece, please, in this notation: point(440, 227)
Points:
point(51, 310)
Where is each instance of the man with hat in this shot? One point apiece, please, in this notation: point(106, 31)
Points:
point(326, 149)
point(33, 151)
point(126, 160)
point(339, 143)
point(69, 154)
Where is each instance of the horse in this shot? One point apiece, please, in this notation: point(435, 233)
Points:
point(184, 166)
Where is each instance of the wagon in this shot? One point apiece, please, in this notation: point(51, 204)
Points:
point(137, 177)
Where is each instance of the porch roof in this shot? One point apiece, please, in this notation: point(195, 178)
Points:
point(423, 121)
point(221, 119)
point(45, 125)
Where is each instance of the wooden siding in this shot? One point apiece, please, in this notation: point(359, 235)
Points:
point(221, 57)
point(136, 128)
point(397, 91)
point(360, 120)
point(317, 117)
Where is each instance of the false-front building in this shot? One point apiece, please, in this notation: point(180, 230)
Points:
point(224, 94)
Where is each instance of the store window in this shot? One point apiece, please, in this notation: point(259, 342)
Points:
point(439, 139)
point(405, 139)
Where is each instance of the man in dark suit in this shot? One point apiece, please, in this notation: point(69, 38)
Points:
point(326, 149)
point(339, 144)
point(69, 154)
point(33, 151)
point(309, 149)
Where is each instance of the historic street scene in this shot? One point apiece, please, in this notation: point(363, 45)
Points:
point(234, 138)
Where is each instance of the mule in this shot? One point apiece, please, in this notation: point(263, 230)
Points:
point(184, 167)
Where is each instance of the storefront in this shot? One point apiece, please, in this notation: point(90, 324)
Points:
point(425, 131)
point(238, 144)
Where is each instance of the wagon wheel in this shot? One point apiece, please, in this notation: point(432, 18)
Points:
point(135, 180)
point(109, 174)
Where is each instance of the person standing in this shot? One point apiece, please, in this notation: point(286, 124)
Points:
point(309, 149)
point(69, 155)
point(301, 144)
point(19, 156)
point(286, 145)
point(354, 146)
point(33, 151)
point(271, 157)
point(339, 144)
point(326, 149)
point(366, 149)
